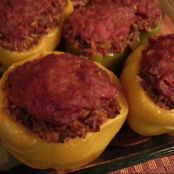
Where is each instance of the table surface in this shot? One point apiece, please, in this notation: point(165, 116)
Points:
point(159, 165)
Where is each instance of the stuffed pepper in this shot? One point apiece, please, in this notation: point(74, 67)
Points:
point(106, 31)
point(59, 111)
point(148, 82)
point(100, 33)
point(30, 27)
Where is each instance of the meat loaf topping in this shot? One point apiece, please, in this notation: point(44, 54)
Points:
point(101, 29)
point(61, 96)
point(24, 22)
point(157, 71)
point(148, 13)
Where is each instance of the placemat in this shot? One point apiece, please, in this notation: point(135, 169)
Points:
point(157, 166)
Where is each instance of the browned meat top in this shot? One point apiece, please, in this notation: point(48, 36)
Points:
point(58, 89)
point(148, 14)
point(157, 71)
point(24, 22)
point(98, 23)
point(147, 11)
point(101, 29)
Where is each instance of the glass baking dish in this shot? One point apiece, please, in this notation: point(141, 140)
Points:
point(127, 148)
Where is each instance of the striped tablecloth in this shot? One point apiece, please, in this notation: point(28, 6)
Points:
point(157, 166)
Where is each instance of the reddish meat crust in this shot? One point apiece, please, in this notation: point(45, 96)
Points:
point(24, 22)
point(100, 30)
point(157, 71)
point(147, 12)
point(64, 92)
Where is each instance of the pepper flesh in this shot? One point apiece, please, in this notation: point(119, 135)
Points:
point(145, 117)
point(34, 152)
point(6, 160)
point(47, 43)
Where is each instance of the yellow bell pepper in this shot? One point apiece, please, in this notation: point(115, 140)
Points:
point(47, 43)
point(36, 153)
point(144, 117)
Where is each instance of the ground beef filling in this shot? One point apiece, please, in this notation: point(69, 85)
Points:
point(101, 29)
point(24, 22)
point(148, 12)
point(61, 97)
point(157, 71)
